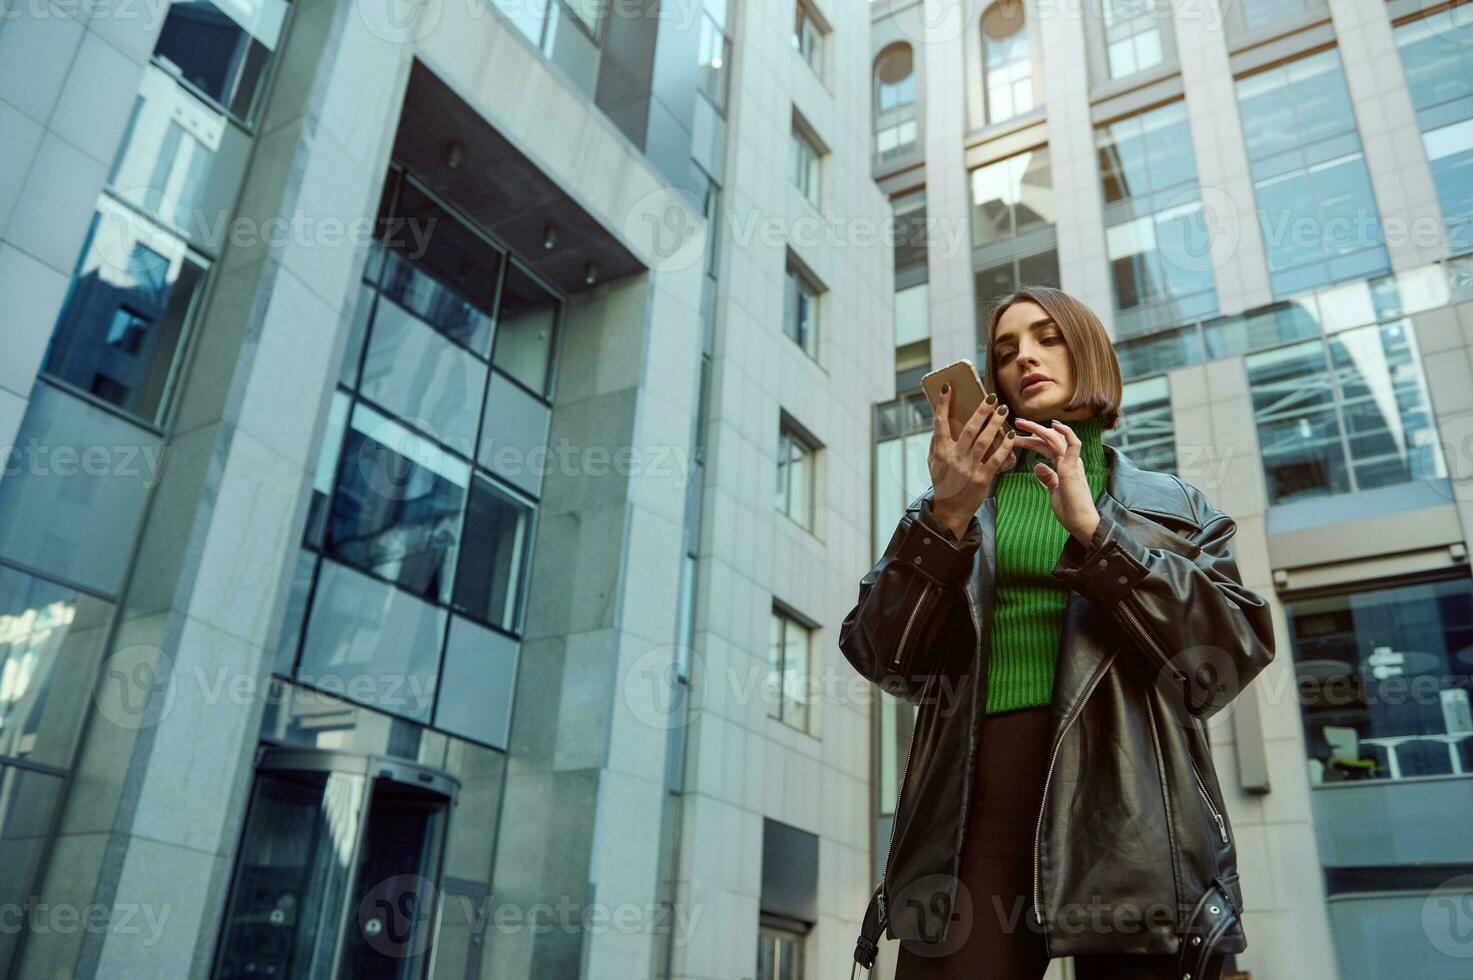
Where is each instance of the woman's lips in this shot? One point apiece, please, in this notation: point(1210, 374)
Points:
point(1033, 386)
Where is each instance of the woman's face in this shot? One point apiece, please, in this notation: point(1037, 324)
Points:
point(1031, 364)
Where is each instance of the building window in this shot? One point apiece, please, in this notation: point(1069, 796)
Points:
point(1146, 432)
point(801, 310)
point(1013, 237)
point(895, 102)
point(1155, 233)
point(123, 325)
point(807, 169)
point(1383, 677)
point(779, 954)
point(912, 314)
point(1437, 56)
point(911, 231)
point(715, 60)
point(808, 37)
point(1316, 211)
point(789, 681)
point(1132, 35)
point(1007, 63)
point(1012, 197)
point(1343, 413)
point(796, 475)
point(443, 406)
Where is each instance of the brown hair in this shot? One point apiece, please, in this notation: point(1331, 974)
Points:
point(1096, 369)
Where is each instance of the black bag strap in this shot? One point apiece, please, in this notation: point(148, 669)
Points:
point(867, 947)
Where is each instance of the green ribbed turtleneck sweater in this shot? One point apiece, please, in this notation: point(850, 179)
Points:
point(1028, 602)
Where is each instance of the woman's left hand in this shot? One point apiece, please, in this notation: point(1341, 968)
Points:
point(1068, 490)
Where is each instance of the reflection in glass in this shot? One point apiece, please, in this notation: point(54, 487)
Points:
point(28, 801)
point(1382, 432)
point(1384, 678)
point(221, 50)
point(1437, 57)
point(397, 508)
point(423, 378)
point(372, 643)
point(1146, 432)
point(1011, 197)
point(291, 877)
point(1316, 211)
point(180, 161)
point(76, 520)
point(120, 328)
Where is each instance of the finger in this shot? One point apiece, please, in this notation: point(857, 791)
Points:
point(974, 426)
point(1052, 438)
point(1071, 438)
point(942, 434)
point(1046, 476)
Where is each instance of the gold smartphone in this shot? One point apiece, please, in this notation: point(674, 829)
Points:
point(966, 391)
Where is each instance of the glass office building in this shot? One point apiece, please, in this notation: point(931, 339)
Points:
point(422, 528)
point(1276, 235)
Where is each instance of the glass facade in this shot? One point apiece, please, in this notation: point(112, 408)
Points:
point(1146, 432)
point(1012, 220)
point(436, 438)
point(1344, 413)
point(1384, 676)
point(1437, 57)
point(1316, 211)
point(1156, 237)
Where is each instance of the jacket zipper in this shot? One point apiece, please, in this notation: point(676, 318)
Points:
point(1211, 807)
point(905, 634)
point(1147, 640)
point(1053, 758)
point(1150, 644)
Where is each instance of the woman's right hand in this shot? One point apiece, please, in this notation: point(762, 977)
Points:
point(963, 465)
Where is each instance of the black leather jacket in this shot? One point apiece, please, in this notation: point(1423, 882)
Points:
point(1134, 851)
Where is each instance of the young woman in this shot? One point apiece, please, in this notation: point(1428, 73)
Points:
point(1065, 622)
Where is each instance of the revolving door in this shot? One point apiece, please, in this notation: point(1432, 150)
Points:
point(337, 872)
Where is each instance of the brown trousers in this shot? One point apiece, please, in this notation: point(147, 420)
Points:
point(995, 936)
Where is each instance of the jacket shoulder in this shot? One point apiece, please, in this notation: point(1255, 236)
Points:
point(1162, 493)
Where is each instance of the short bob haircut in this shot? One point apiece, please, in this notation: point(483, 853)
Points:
point(1096, 368)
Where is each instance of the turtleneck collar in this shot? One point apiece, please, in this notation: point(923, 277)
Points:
point(1091, 448)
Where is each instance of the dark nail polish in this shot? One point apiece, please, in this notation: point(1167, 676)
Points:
point(992, 399)
point(1002, 410)
point(1011, 433)
point(945, 387)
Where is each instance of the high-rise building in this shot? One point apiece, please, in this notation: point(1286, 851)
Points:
point(437, 463)
point(1269, 203)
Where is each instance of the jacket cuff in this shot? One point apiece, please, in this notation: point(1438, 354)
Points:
point(1108, 568)
point(931, 549)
